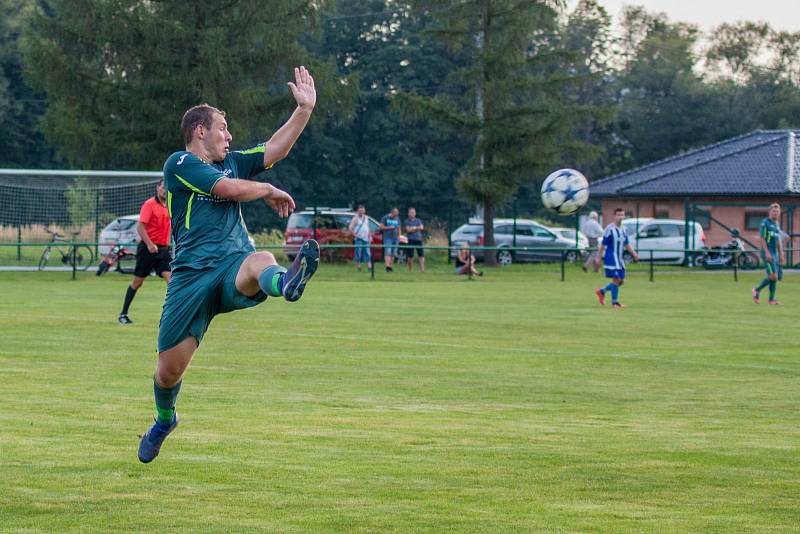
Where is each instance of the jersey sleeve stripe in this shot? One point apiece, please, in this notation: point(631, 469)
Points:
point(193, 188)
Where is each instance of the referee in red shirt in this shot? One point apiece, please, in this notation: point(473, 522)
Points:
point(153, 250)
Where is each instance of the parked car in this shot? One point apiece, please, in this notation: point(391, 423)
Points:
point(528, 234)
point(332, 227)
point(121, 230)
point(569, 233)
point(665, 237)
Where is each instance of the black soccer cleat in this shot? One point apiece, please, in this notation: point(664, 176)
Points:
point(124, 319)
point(300, 272)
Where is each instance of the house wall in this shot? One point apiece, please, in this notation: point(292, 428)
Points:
point(732, 216)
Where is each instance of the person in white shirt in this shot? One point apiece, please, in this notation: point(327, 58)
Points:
point(593, 231)
point(359, 225)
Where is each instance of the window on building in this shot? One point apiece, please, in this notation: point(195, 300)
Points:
point(661, 211)
point(752, 219)
point(703, 217)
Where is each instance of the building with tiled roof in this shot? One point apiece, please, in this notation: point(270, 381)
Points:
point(725, 185)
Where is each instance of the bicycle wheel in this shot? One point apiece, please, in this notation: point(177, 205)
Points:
point(44, 258)
point(83, 257)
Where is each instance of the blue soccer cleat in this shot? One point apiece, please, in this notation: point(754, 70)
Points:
point(151, 442)
point(302, 269)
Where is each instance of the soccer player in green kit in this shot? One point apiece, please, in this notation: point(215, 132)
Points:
point(216, 269)
point(771, 253)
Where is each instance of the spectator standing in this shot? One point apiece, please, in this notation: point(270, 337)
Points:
point(359, 225)
point(152, 253)
point(593, 231)
point(414, 228)
point(390, 225)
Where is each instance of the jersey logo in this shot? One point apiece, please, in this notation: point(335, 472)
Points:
point(182, 158)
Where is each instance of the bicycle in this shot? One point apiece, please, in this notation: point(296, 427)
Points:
point(80, 256)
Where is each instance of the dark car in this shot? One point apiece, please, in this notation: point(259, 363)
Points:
point(546, 244)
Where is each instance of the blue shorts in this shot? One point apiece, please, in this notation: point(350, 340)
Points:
point(195, 296)
point(362, 252)
point(390, 246)
point(615, 273)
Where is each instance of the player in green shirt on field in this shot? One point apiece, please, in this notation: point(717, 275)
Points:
point(216, 269)
point(771, 253)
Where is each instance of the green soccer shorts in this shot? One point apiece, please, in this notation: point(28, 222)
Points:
point(194, 297)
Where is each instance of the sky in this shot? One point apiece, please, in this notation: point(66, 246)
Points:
point(781, 14)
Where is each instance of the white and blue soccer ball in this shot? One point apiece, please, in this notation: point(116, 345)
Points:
point(565, 191)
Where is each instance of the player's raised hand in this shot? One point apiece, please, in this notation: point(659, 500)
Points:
point(280, 201)
point(303, 90)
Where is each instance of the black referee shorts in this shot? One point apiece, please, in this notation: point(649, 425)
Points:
point(147, 261)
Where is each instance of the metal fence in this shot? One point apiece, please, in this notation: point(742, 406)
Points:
point(73, 256)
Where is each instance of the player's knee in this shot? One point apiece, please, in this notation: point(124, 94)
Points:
point(168, 374)
point(137, 282)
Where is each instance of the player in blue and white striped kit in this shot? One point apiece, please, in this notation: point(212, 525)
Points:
point(615, 243)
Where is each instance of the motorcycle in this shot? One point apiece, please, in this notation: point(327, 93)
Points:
point(722, 257)
point(114, 256)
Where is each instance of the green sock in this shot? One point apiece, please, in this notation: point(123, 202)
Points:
point(165, 401)
point(773, 287)
point(764, 283)
point(271, 280)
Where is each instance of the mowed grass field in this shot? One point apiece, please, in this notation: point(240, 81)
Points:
point(413, 403)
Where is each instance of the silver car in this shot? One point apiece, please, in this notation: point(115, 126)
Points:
point(119, 231)
point(512, 240)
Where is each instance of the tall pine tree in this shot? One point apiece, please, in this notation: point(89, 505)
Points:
point(512, 99)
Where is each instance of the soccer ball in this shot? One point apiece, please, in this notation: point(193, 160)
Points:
point(565, 191)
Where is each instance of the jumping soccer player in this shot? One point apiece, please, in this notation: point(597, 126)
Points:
point(152, 253)
point(615, 242)
point(215, 269)
point(771, 253)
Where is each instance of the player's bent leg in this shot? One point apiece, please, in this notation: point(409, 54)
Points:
point(252, 268)
point(167, 276)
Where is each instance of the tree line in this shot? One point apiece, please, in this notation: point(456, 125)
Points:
point(442, 104)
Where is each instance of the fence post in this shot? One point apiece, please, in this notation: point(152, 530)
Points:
point(563, 258)
point(450, 233)
point(651, 266)
point(74, 258)
point(469, 261)
point(96, 221)
point(736, 266)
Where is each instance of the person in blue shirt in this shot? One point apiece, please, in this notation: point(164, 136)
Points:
point(612, 249)
point(390, 225)
point(771, 252)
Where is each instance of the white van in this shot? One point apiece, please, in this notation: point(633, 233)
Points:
point(665, 237)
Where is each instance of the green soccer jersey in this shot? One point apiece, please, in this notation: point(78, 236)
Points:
point(771, 233)
point(207, 228)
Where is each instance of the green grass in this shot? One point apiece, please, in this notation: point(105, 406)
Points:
point(412, 403)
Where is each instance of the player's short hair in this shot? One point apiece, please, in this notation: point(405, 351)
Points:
point(774, 205)
point(617, 210)
point(197, 115)
point(360, 206)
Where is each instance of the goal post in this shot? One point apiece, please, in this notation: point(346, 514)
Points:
point(78, 203)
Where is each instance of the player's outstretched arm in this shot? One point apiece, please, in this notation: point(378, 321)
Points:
point(282, 141)
point(245, 190)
